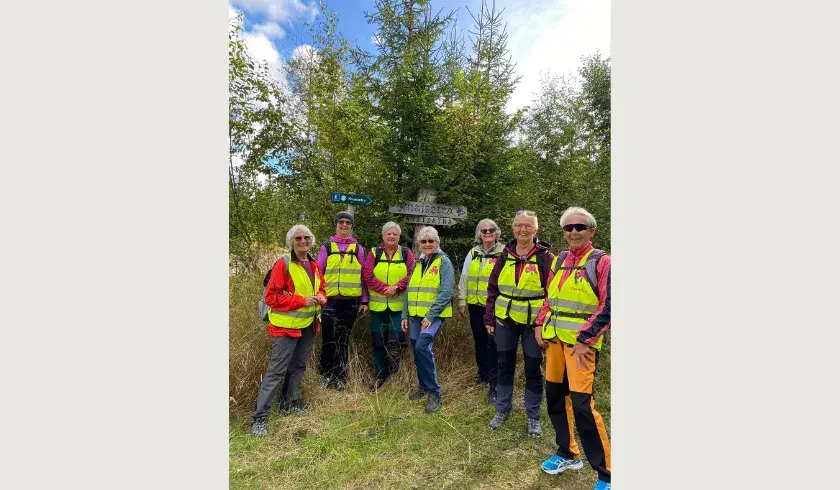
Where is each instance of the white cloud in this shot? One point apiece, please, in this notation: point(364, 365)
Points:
point(278, 10)
point(270, 29)
point(551, 36)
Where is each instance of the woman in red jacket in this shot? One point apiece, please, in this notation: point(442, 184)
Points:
point(295, 294)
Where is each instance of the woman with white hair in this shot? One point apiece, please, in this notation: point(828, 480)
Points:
point(427, 303)
point(472, 291)
point(386, 276)
point(572, 324)
point(295, 294)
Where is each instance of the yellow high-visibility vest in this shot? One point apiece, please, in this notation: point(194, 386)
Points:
point(574, 302)
point(301, 317)
point(520, 300)
point(389, 272)
point(477, 276)
point(343, 273)
point(423, 289)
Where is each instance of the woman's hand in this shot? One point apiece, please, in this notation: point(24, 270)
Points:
point(425, 324)
point(404, 325)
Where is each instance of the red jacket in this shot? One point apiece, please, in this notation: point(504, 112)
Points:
point(597, 324)
point(280, 294)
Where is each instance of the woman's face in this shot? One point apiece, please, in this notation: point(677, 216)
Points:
point(428, 246)
point(488, 235)
point(391, 238)
point(301, 242)
point(524, 228)
point(577, 238)
point(343, 228)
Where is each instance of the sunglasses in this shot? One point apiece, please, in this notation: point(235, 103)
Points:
point(345, 222)
point(303, 238)
point(423, 242)
point(525, 212)
point(488, 232)
point(576, 227)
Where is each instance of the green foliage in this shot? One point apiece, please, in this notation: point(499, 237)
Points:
point(427, 109)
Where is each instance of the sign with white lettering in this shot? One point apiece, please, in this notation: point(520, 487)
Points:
point(431, 220)
point(429, 209)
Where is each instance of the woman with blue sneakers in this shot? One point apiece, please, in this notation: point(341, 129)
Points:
point(427, 303)
point(573, 321)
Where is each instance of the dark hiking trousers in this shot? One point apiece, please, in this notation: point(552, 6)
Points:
point(339, 317)
point(508, 335)
point(288, 354)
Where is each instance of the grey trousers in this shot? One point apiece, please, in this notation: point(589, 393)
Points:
point(287, 354)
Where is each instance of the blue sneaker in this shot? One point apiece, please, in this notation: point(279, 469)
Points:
point(558, 464)
point(602, 485)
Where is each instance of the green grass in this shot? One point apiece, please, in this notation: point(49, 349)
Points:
point(358, 439)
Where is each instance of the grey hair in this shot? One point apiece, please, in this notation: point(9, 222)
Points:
point(530, 214)
point(387, 226)
point(429, 232)
point(590, 220)
point(291, 233)
point(481, 224)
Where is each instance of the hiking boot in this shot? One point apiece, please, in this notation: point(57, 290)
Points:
point(534, 429)
point(491, 396)
point(602, 485)
point(558, 464)
point(326, 381)
point(432, 403)
point(283, 407)
point(296, 407)
point(258, 428)
point(417, 395)
point(498, 420)
point(338, 384)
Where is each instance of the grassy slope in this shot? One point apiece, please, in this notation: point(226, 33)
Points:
point(358, 439)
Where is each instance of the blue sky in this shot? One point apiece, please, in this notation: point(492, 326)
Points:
point(543, 35)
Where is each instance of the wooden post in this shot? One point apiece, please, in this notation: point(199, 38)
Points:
point(423, 195)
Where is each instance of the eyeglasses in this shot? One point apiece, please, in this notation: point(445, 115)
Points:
point(303, 238)
point(576, 226)
point(488, 232)
point(423, 242)
point(345, 222)
point(523, 226)
point(525, 212)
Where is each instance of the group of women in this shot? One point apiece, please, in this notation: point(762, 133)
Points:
point(513, 293)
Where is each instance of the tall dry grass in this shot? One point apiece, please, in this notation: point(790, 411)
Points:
point(250, 346)
point(453, 349)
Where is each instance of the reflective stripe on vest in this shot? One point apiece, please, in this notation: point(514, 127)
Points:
point(301, 317)
point(423, 290)
point(573, 303)
point(477, 276)
point(390, 272)
point(343, 273)
point(520, 300)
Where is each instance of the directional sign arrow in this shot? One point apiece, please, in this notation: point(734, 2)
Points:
point(358, 199)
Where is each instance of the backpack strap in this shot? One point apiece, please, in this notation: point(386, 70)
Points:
point(590, 267)
point(284, 258)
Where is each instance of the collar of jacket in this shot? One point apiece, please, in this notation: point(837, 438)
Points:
point(538, 245)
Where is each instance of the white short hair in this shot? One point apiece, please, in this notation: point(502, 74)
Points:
point(387, 226)
point(291, 233)
point(428, 232)
point(590, 220)
point(481, 224)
